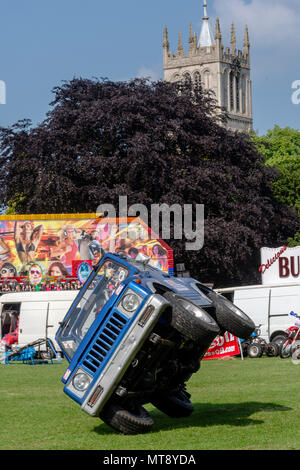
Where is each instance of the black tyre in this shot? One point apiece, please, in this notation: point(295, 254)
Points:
point(47, 355)
point(285, 351)
point(230, 318)
point(272, 349)
point(295, 351)
point(244, 346)
point(134, 421)
point(279, 339)
point(176, 405)
point(191, 320)
point(255, 350)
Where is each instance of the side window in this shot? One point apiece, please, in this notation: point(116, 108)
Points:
point(9, 318)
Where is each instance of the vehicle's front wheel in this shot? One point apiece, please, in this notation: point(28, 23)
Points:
point(255, 350)
point(134, 421)
point(295, 351)
point(231, 318)
point(190, 320)
point(272, 349)
point(175, 405)
point(279, 339)
point(285, 351)
point(244, 346)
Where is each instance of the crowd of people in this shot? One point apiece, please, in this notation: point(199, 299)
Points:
point(26, 286)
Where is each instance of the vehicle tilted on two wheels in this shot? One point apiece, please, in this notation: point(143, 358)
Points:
point(135, 335)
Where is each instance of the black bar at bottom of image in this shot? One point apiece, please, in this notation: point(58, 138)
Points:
point(127, 458)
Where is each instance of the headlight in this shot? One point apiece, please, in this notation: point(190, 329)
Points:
point(130, 302)
point(81, 381)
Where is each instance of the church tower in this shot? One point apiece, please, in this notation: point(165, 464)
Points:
point(225, 71)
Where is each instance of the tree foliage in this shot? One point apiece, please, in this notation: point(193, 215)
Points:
point(281, 149)
point(154, 143)
point(291, 242)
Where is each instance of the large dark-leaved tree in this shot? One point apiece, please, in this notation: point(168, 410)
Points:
point(154, 143)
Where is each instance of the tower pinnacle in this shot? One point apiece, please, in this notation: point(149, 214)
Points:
point(246, 42)
point(206, 37)
point(166, 40)
point(180, 46)
point(233, 39)
point(218, 34)
point(205, 9)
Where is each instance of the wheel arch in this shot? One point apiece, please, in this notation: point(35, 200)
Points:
point(277, 333)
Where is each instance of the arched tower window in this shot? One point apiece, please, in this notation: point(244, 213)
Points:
point(197, 80)
point(231, 91)
point(243, 86)
point(187, 78)
point(237, 78)
point(225, 89)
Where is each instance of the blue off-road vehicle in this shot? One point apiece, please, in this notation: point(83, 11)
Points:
point(135, 335)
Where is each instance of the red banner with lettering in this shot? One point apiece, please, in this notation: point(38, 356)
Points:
point(222, 346)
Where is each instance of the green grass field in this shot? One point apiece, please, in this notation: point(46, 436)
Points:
point(250, 404)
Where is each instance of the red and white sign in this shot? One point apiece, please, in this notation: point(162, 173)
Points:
point(222, 346)
point(280, 265)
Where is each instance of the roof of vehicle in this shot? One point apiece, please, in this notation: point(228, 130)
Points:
point(185, 286)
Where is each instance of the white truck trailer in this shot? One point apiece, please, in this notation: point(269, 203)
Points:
point(39, 314)
point(267, 305)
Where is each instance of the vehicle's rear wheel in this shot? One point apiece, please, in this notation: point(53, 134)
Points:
point(175, 405)
point(285, 351)
point(134, 421)
point(244, 346)
point(47, 355)
point(190, 320)
point(279, 339)
point(231, 318)
point(295, 351)
point(255, 350)
point(272, 349)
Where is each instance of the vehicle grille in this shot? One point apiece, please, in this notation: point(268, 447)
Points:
point(104, 342)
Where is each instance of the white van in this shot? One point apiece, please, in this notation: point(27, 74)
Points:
point(268, 306)
point(39, 314)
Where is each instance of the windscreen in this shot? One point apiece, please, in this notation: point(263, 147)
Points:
point(98, 292)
